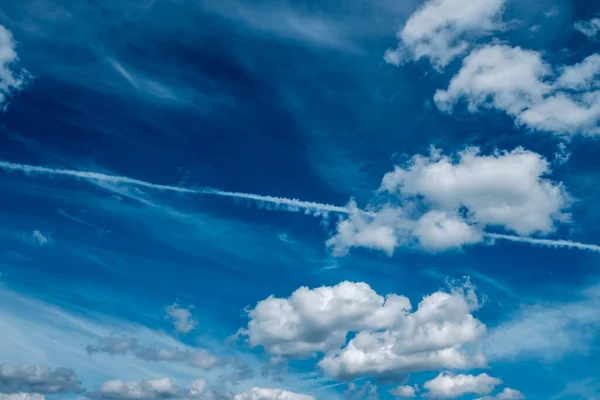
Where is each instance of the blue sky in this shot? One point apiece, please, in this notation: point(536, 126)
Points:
point(299, 199)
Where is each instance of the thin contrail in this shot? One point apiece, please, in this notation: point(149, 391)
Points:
point(546, 242)
point(288, 204)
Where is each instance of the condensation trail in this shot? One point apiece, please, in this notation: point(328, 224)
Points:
point(546, 242)
point(284, 203)
point(288, 204)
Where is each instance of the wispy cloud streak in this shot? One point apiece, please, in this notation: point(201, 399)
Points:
point(546, 242)
point(280, 202)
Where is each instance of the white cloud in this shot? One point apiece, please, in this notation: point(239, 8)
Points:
point(124, 344)
point(520, 83)
point(438, 230)
point(440, 202)
point(12, 78)
point(588, 28)
point(379, 232)
point(441, 30)
point(318, 320)
point(505, 189)
point(181, 317)
point(161, 388)
point(581, 76)
point(37, 379)
point(404, 392)
point(22, 396)
point(506, 394)
point(546, 331)
point(151, 389)
point(448, 386)
point(35, 238)
point(432, 337)
point(367, 391)
point(271, 394)
point(389, 341)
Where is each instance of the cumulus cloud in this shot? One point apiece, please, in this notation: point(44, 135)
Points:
point(505, 189)
point(37, 379)
point(318, 320)
point(519, 82)
point(162, 388)
point(588, 28)
point(271, 394)
point(404, 392)
point(181, 317)
point(382, 231)
point(448, 386)
point(441, 30)
point(124, 344)
point(506, 394)
point(441, 202)
point(390, 339)
point(12, 77)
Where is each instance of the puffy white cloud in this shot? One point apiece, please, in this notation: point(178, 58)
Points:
point(382, 231)
point(12, 78)
point(318, 320)
point(181, 317)
point(432, 337)
point(588, 28)
point(271, 394)
point(162, 388)
point(37, 379)
point(390, 340)
point(441, 202)
point(441, 30)
point(520, 83)
point(505, 189)
point(404, 392)
point(506, 394)
point(448, 386)
point(438, 230)
point(581, 76)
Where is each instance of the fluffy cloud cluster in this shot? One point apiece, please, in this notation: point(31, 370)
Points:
point(441, 30)
point(404, 392)
point(448, 386)
point(271, 394)
point(12, 78)
point(589, 28)
point(390, 338)
point(26, 380)
point(162, 388)
point(181, 317)
point(442, 202)
point(520, 83)
point(123, 344)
